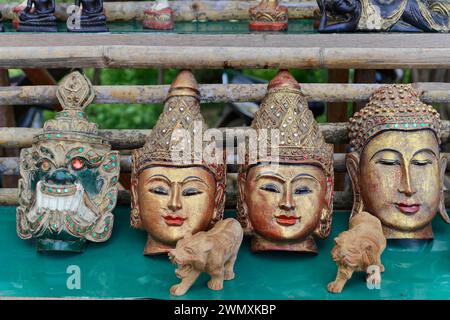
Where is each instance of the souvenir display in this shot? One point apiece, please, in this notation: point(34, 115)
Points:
point(380, 15)
point(171, 199)
point(285, 199)
point(67, 189)
point(16, 13)
point(396, 168)
point(159, 16)
point(359, 250)
point(92, 18)
point(38, 16)
point(214, 252)
point(268, 16)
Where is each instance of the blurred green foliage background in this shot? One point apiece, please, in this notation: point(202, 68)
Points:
point(144, 116)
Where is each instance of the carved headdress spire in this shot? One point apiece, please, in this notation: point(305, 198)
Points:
point(181, 111)
point(74, 93)
point(392, 107)
point(285, 108)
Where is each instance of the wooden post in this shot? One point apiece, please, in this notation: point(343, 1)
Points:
point(7, 120)
point(338, 112)
point(363, 76)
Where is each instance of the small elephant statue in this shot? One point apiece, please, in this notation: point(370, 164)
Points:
point(359, 249)
point(214, 251)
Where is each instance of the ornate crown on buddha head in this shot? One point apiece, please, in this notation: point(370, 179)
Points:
point(181, 111)
point(300, 141)
point(74, 94)
point(392, 107)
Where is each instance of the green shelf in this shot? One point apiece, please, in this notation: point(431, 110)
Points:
point(211, 27)
point(117, 269)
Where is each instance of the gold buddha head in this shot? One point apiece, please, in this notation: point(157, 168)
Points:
point(285, 199)
point(171, 199)
point(68, 185)
point(396, 168)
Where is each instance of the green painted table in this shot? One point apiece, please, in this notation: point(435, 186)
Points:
point(117, 269)
point(210, 27)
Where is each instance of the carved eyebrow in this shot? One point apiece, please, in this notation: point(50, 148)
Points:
point(158, 177)
point(270, 174)
point(47, 151)
point(194, 178)
point(385, 150)
point(427, 150)
point(304, 175)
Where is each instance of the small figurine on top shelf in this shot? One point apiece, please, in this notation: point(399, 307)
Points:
point(16, 14)
point(159, 16)
point(38, 16)
point(214, 251)
point(268, 16)
point(359, 249)
point(380, 15)
point(92, 18)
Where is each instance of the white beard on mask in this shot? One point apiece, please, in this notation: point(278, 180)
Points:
point(75, 203)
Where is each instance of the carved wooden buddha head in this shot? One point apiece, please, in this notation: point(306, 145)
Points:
point(395, 165)
point(171, 199)
point(285, 199)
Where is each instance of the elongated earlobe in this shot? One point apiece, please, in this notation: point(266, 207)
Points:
point(242, 210)
point(135, 216)
point(352, 164)
point(442, 211)
point(326, 216)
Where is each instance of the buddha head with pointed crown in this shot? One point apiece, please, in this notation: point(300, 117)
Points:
point(285, 198)
point(172, 199)
point(395, 164)
point(68, 185)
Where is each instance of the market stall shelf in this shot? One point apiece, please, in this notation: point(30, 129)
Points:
point(126, 273)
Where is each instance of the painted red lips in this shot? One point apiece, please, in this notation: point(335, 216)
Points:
point(287, 220)
point(174, 220)
point(408, 208)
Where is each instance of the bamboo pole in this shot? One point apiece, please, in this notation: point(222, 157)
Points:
point(132, 139)
point(183, 10)
point(10, 165)
point(342, 200)
point(215, 93)
point(214, 51)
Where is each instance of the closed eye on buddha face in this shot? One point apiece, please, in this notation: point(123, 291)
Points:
point(158, 184)
point(188, 192)
point(387, 157)
point(270, 187)
point(302, 190)
point(423, 157)
point(159, 190)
